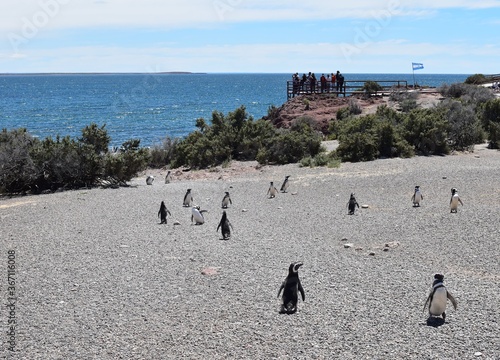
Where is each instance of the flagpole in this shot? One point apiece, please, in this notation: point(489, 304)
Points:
point(413, 70)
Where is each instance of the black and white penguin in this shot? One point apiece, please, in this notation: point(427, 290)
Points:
point(284, 186)
point(168, 178)
point(226, 200)
point(291, 286)
point(162, 213)
point(188, 199)
point(417, 196)
point(197, 215)
point(149, 180)
point(455, 200)
point(272, 191)
point(438, 298)
point(351, 205)
point(225, 226)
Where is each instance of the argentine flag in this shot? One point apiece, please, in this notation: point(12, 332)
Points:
point(417, 66)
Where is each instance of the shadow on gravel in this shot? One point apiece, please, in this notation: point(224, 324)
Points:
point(435, 321)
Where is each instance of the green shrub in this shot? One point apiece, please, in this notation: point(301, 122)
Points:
point(427, 131)
point(464, 126)
point(490, 118)
point(17, 169)
point(162, 154)
point(476, 79)
point(97, 137)
point(354, 107)
point(371, 87)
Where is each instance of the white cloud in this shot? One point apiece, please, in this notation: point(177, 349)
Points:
point(57, 14)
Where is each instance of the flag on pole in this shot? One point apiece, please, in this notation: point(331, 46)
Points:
point(417, 66)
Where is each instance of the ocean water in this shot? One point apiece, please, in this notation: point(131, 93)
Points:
point(148, 106)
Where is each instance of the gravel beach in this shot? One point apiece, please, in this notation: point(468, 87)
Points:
point(98, 277)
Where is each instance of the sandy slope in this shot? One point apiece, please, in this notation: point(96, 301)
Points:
point(98, 277)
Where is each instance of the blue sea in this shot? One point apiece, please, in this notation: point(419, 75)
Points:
point(149, 107)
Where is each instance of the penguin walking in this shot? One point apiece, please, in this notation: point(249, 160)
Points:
point(168, 178)
point(291, 286)
point(438, 297)
point(226, 200)
point(351, 205)
point(417, 197)
point(225, 226)
point(455, 199)
point(272, 191)
point(197, 215)
point(162, 213)
point(188, 199)
point(149, 180)
point(284, 186)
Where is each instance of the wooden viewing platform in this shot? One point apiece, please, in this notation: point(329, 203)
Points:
point(350, 87)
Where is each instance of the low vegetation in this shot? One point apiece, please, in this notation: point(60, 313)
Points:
point(468, 115)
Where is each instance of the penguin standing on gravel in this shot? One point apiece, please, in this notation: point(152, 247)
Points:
point(291, 287)
point(455, 199)
point(417, 197)
point(197, 215)
point(351, 205)
point(438, 298)
point(226, 200)
point(284, 186)
point(168, 178)
point(162, 213)
point(188, 199)
point(272, 191)
point(149, 180)
point(225, 226)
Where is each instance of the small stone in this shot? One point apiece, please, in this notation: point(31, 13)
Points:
point(244, 210)
point(209, 271)
point(176, 222)
point(386, 249)
point(371, 253)
point(444, 177)
point(347, 246)
point(359, 248)
point(365, 206)
point(477, 156)
point(344, 239)
point(124, 246)
point(478, 353)
point(294, 193)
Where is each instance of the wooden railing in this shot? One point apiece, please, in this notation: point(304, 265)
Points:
point(349, 87)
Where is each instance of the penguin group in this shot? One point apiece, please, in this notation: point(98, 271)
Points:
point(291, 286)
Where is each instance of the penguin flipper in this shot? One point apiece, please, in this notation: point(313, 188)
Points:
point(281, 288)
point(168, 212)
point(452, 299)
point(301, 289)
point(429, 298)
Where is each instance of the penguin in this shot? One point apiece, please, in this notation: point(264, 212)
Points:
point(167, 178)
point(188, 199)
point(149, 180)
point(455, 199)
point(417, 197)
point(197, 215)
point(284, 186)
point(225, 226)
point(226, 200)
point(351, 205)
point(272, 191)
point(291, 286)
point(162, 213)
point(438, 297)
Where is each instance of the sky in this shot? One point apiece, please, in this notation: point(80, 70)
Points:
point(250, 36)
